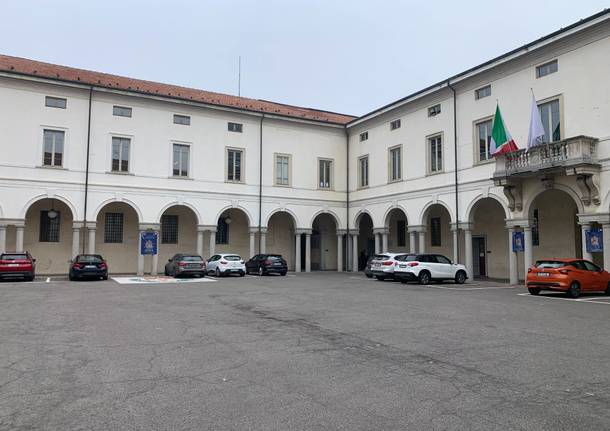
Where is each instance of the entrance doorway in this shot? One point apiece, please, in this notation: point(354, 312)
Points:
point(479, 256)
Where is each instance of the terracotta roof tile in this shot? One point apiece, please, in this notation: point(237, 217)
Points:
point(51, 71)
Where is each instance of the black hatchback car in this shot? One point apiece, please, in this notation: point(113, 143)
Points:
point(263, 264)
point(88, 266)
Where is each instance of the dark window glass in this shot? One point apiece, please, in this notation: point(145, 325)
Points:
point(435, 231)
point(14, 256)
point(395, 124)
point(234, 158)
point(169, 229)
point(191, 258)
point(546, 69)
point(442, 259)
point(590, 266)
point(121, 111)
point(113, 228)
point(482, 92)
point(53, 150)
point(55, 102)
point(401, 233)
point(120, 154)
point(484, 136)
point(535, 230)
point(222, 231)
point(434, 110)
point(185, 120)
point(364, 136)
point(235, 127)
point(89, 258)
point(49, 227)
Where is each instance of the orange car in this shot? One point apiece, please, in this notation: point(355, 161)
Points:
point(571, 276)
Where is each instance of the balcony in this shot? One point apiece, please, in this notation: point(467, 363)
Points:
point(571, 155)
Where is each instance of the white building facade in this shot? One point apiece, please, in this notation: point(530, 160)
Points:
point(108, 158)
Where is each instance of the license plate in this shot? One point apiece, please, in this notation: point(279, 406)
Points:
point(376, 265)
point(90, 266)
point(277, 264)
point(402, 266)
point(13, 264)
point(543, 274)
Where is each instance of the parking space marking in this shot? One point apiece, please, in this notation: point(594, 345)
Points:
point(48, 280)
point(594, 299)
point(472, 288)
point(160, 280)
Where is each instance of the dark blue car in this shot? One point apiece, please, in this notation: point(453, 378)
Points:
point(88, 266)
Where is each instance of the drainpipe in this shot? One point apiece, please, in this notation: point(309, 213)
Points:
point(455, 168)
point(87, 170)
point(260, 185)
point(347, 247)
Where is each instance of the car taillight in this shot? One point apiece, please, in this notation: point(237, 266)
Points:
point(387, 263)
point(77, 266)
point(529, 269)
point(181, 263)
point(564, 271)
point(413, 264)
point(103, 265)
point(223, 262)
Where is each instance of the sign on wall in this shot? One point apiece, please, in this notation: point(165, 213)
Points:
point(595, 240)
point(148, 242)
point(518, 242)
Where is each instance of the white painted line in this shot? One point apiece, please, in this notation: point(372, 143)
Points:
point(160, 280)
point(472, 288)
point(581, 300)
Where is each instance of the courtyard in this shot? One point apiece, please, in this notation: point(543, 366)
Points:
point(314, 351)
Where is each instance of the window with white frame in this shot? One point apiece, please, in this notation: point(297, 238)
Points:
point(234, 165)
point(121, 111)
point(479, 93)
point(395, 158)
point(483, 133)
point(325, 170)
point(120, 154)
point(169, 229)
point(55, 102)
point(49, 227)
point(551, 120)
point(547, 69)
point(395, 124)
point(435, 151)
point(113, 228)
point(282, 169)
point(185, 120)
point(53, 151)
point(363, 171)
point(180, 166)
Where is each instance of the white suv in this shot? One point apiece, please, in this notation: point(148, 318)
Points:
point(382, 265)
point(427, 267)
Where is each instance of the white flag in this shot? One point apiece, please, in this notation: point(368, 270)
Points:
point(536, 133)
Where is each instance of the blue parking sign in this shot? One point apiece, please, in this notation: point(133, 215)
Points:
point(148, 242)
point(595, 240)
point(518, 242)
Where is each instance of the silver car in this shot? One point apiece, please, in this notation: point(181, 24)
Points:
point(225, 264)
point(383, 264)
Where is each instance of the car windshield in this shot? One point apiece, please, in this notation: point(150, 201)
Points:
point(381, 257)
point(274, 257)
point(191, 258)
point(232, 257)
point(13, 256)
point(549, 264)
point(89, 258)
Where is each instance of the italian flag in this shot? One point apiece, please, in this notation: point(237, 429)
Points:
point(501, 141)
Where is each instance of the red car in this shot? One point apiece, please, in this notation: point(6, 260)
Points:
point(572, 276)
point(17, 265)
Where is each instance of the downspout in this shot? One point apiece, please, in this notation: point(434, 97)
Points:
point(455, 170)
point(87, 170)
point(260, 185)
point(347, 247)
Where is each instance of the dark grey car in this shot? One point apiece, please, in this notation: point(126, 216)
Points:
point(185, 264)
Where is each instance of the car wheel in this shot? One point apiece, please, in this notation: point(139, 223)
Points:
point(166, 273)
point(460, 277)
point(608, 289)
point(261, 271)
point(70, 277)
point(28, 278)
point(241, 274)
point(380, 277)
point(105, 277)
point(282, 274)
point(403, 280)
point(533, 290)
point(369, 275)
point(424, 277)
point(218, 274)
point(574, 290)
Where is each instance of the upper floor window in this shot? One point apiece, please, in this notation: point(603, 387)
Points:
point(169, 229)
point(395, 124)
point(395, 163)
point(325, 170)
point(483, 132)
point(434, 110)
point(55, 102)
point(435, 151)
point(113, 228)
point(282, 169)
point(49, 227)
point(121, 111)
point(235, 127)
point(120, 154)
point(547, 68)
point(364, 136)
point(182, 119)
point(53, 152)
point(363, 171)
point(549, 113)
point(180, 166)
point(234, 165)
point(479, 93)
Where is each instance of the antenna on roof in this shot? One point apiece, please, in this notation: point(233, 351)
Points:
point(239, 77)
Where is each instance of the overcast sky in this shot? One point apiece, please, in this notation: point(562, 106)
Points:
point(345, 56)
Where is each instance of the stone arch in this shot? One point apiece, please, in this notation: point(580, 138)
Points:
point(358, 217)
point(178, 204)
point(288, 211)
point(236, 207)
point(473, 205)
point(334, 216)
point(527, 208)
point(32, 201)
point(424, 212)
point(388, 213)
point(112, 200)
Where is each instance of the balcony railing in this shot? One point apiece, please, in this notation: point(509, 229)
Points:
point(580, 150)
